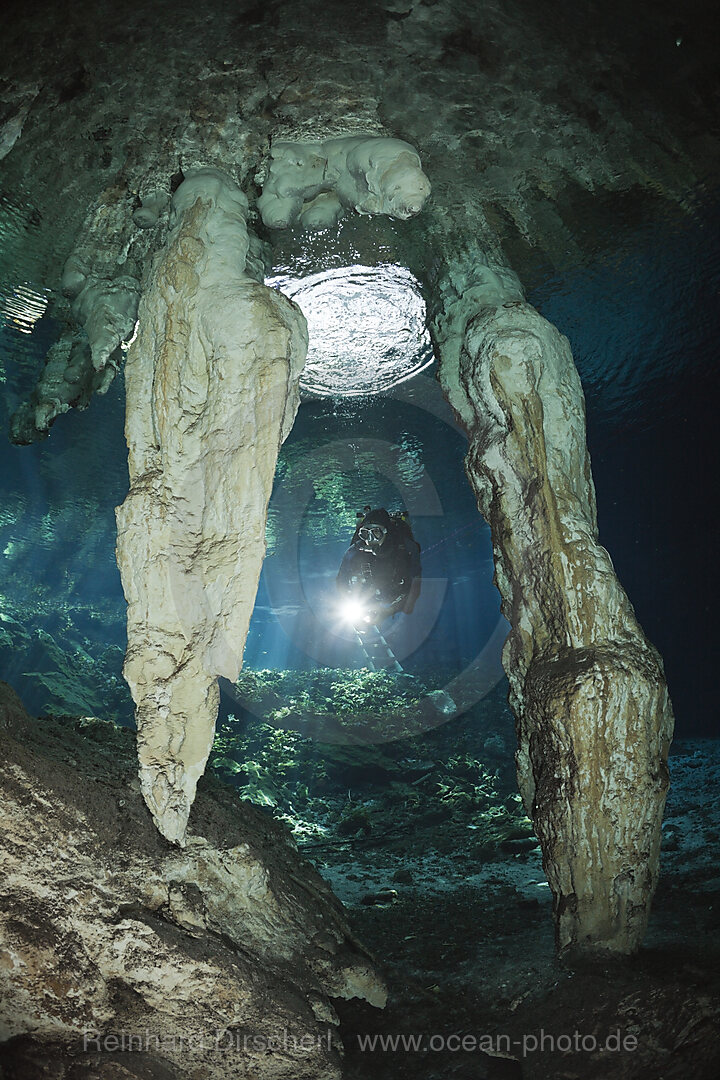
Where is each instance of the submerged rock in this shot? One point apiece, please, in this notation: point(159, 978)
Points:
point(117, 947)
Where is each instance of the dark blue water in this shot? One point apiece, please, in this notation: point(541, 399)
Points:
point(643, 320)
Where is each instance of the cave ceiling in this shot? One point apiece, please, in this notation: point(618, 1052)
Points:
point(513, 109)
point(540, 128)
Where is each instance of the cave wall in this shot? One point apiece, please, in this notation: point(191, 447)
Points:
point(122, 955)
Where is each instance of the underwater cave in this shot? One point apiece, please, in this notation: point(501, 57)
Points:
point(357, 617)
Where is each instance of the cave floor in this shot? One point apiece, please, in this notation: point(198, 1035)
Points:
point(475, 987)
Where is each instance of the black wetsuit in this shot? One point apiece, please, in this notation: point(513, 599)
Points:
point(388, 577)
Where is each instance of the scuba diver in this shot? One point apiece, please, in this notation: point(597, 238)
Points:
point(380, 573)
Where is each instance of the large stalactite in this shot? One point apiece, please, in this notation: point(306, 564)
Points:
point(588, 690)
point(211, 393)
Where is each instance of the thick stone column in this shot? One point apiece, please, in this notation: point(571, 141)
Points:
point(211, 393)
point(593, 716)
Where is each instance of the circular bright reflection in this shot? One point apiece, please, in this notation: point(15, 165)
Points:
point(353, 611)
point(366, 326)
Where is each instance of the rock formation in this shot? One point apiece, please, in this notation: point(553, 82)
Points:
point(18, 103)
point(68, 380)
point(313, 182)
point(100, 282)
point(152, 204)
point(122, 955)
point(211, 393)
point(588, 690)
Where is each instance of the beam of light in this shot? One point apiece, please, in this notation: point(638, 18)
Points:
point(367, 328)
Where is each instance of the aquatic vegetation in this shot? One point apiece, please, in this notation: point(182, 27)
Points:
point(459, 776)
point(339, 705)
point(355, 820)
point(63, 673)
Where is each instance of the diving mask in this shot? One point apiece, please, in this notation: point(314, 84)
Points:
point(373, 535)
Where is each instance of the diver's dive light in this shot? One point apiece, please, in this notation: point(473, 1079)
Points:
point(354, 611)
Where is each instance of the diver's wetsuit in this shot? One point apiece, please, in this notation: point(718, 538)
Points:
point(386, 576)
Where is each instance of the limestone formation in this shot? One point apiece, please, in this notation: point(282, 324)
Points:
point(68, 380)
point(588, 690)
point(122, 955)
point(107, 310)
point(528, 126)
point(84, 360)
point(212, 390)
point(101, 286)
point(147, 215)
point(101, 283)
point(313, 182)
point(17, 106)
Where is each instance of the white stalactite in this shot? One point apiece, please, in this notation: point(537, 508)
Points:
point(588, 689)
point(314, 182)
point(212, 390)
